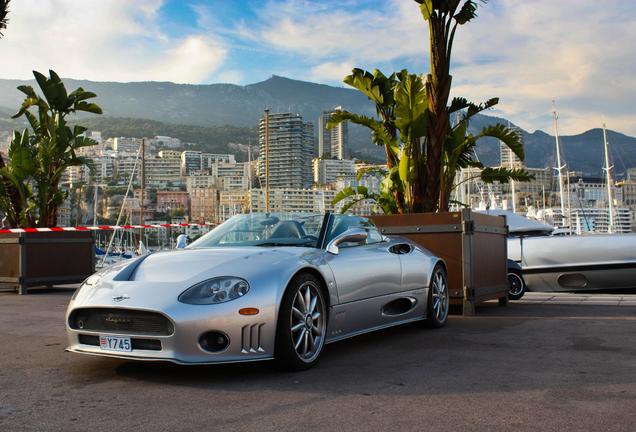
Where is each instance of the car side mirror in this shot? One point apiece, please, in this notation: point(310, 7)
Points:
point(355, 235)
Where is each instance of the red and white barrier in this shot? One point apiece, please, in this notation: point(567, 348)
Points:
point(99, 228)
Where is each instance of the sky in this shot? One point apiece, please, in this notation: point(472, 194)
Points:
point(578, 53)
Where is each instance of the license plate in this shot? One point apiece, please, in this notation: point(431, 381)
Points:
point(115, 343)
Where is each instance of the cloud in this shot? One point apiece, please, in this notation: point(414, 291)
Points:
point(527, 53)
point(321, 30)
point(106, 40)
point(331, 71)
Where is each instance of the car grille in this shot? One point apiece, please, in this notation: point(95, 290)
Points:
point(137, 343)
point(123, 321)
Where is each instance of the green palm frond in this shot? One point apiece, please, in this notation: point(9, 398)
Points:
point(4, 11)
point(504, 175)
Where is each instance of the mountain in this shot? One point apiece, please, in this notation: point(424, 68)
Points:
point(215, 115)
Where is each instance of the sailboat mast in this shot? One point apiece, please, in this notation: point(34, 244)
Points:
point(608, 169)
point(267, 160)
point(559, 166)
point(512, 182)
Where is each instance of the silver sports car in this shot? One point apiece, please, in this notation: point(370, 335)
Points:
point(257, 287)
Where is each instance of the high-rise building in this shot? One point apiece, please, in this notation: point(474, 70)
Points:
point(291, 144)
point(332, 143)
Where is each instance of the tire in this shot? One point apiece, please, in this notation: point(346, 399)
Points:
point(516, 285)
point(438, 302)
point(301, 328)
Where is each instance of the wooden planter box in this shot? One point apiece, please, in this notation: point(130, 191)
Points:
point(473, 245)
point(45, 258)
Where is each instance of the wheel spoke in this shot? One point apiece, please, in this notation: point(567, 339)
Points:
point(298, 314)
point(299, 341)
point(315, 330)
point(306, 342)
point(315, 315)
point(301, 303)
point(312, 304)
point(297, 327)
point(307, 300)
point(310, 338)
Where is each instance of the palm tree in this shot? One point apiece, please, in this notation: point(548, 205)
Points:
point(380, 90)
point(4, 11)
point(459, 149)
point(39, 159)
point(401, 104)
point(443, 17)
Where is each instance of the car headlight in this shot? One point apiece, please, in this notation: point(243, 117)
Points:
point(215, 290)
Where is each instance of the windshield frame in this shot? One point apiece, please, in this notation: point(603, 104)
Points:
point(208, 240)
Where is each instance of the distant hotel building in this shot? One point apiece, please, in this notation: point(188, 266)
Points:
point(291, 148)
point(332, 143)
point(193, 161)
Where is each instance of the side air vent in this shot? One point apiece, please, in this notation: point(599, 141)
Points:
point(251, 338)
point(572, 280)
point(399, 306)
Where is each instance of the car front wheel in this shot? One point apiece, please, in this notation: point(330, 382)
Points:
point(302, 324)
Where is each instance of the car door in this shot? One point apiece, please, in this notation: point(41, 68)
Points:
point(363, 270)
point(365, 274)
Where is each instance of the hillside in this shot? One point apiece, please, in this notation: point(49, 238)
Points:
point(215, 115)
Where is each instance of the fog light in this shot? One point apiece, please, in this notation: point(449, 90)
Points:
point(214, 341)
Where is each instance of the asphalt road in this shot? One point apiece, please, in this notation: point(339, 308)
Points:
point(543, 364)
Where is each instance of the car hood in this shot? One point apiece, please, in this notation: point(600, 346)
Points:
point(198, 264)
point(156, 279)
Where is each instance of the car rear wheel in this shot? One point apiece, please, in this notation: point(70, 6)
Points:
point(302, 324)
point(516, 285)
point(437, 308)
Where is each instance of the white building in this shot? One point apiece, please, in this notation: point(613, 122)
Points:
point(292, 200)
point(327, 171)
point(165, 142)
point(126, 145)
point(193, 160)
point(103, 168)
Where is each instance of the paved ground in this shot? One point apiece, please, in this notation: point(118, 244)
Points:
point(546, 363)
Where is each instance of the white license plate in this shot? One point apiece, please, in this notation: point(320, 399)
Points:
point(115, 343)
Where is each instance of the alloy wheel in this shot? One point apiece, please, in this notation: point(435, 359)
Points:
point(307, 321)
point(440, 296)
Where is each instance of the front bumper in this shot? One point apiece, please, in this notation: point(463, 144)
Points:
point(251, 337)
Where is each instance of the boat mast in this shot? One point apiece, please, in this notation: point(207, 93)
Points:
point(267, 160)
point(608, 169)
point(512, 182)
point(143, 187)
point(559, 166)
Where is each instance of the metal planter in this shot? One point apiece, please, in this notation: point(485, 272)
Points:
point(45, 258)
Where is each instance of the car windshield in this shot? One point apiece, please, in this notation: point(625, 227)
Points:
point(265, 229)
